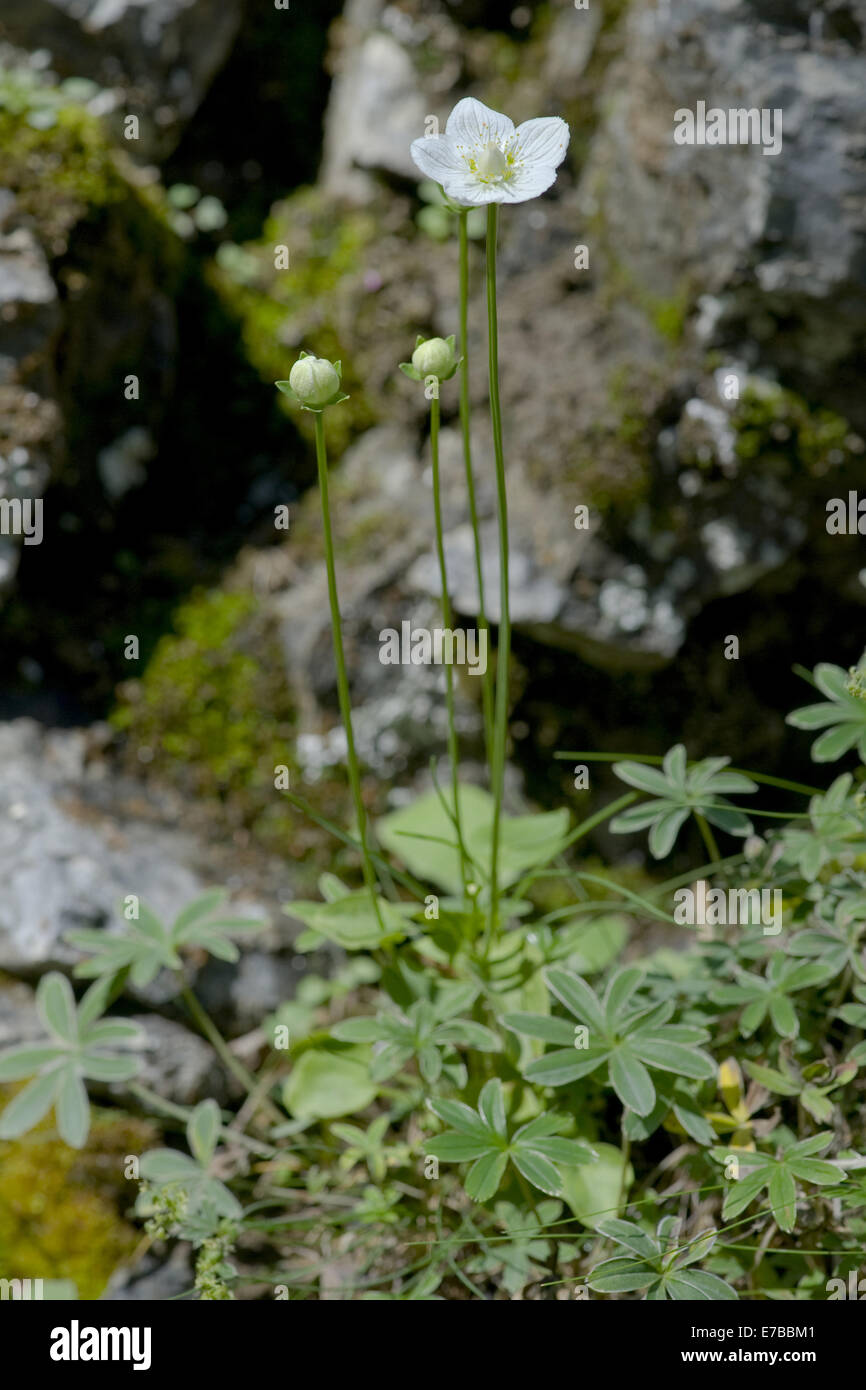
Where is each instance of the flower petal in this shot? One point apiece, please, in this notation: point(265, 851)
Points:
point(528, 182)
point(471, 124)
point(543, 140)
point(436, 157)
point(464, 187)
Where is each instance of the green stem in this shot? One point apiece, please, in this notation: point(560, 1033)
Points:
point(207, 1026)
point(623, 1182)
point(487, 686)
point(453, 754)
point(153, 1101)
point(340, 659)
point(503, 650)
point(708, 837)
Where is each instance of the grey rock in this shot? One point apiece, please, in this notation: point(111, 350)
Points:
point(160, 56)
point(778, 239)
point(374, 102)
point(155, 1278)
point(69, 855)
point(30, 314)
point(177, 1064)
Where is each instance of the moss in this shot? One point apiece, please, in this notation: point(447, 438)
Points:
point(667, 313)
point(61, 1208)
point(212, 716)
point(65, 168)
point(281, 310)
point(210, 713)
point(789, 435)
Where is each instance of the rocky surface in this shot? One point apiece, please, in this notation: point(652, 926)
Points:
point(29, 431)
point(678, 387)
point(156, 60)
point(694, 383)
point(154, 1278)
point(76, 839)
point(776, 240)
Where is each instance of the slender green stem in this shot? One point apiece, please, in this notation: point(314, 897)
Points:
point(453, 754)
point(484, 626)
point(623, 1181)
point(153, 1101)
point(503, 649)
point(207, 1026)
point(340, 659)
point(708, 837)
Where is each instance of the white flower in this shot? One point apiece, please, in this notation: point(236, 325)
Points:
point(481, 158)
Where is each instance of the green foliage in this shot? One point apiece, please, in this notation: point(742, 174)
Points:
point(778, 1174)
point(145, 945)
point(657, 1264)
point(679, 791)
point(324, 1084)
point(842, 716)
point(428, 1031)
point(439, 1042)
point(327, 246)
point(82, 1048)
point(785, 434)
point(768, 995)
point(198, 1201)
point(536, 1149)
point(421, 835)
point(628, 1035)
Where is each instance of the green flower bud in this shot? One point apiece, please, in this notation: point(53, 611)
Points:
point(436, 358)
point(315, 381)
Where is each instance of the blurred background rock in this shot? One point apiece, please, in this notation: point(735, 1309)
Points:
point(154, 258)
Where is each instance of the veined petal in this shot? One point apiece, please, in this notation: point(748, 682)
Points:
point(527, 182)
point(436, 157)
point(471, 124)
point(465, 187)
point(543, 140)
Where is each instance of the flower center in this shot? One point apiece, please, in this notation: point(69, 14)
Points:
point(492, 163)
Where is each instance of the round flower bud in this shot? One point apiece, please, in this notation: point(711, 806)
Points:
point(315, 381)
point(434, 358)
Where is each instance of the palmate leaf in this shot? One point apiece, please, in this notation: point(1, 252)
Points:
point(657, 1264)
point(628, 1035)
point(842, 718)
point(535, 1149)
point(426, 1031)
point(80, 1049)
point(768, 995)
point(836, 828)
point(679, 791)
point(778, 1174)
point(145, 946)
